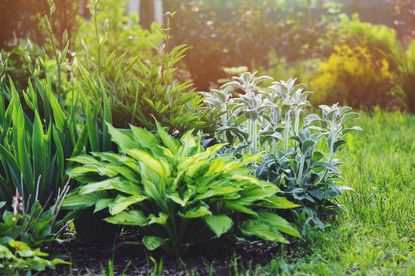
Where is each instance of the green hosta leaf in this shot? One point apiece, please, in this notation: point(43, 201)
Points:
point(131, 188)
point(5, 253)
point(277, 203)
point(279, 223)
point(123, 140)
point(221, 190)
point(98, 186)
point(133, 217)
point(189, 142)
point(160, 219)
point(216, 166)
point(238, 207)
point(145, 138)
point(74, 200)
point(262, 230)
point(219, 224)
point(102, 204)
point(2, 204)
point(153, 242)
point(159, 166)
point(197, 212)
point(175, 197)
point(121, 203)
point(84, 159)
point(257, 193)
point(81, 171)
point(167, 140)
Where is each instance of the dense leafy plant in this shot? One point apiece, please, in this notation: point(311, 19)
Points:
point(408, 76)
point(271, 120)
point(21, 63)
point(33, 151)
point(17, 257)
point(363, 69)
point(176, 190)
point(31, 222)
point(357, 77)
point(29, 225)
point(138, 84)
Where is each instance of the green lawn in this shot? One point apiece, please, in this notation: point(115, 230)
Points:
point(375, 233)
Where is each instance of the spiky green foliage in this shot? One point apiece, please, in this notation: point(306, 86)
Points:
point(36, 137)
point(271, 120)
point(178, 192)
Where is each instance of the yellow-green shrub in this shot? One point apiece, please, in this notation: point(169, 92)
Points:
point(408, 76)
point(354, 76)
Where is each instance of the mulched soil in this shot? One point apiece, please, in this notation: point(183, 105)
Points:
point(129, 257)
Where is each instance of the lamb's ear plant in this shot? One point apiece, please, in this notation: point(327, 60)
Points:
point(178, 192)
point(298, 148)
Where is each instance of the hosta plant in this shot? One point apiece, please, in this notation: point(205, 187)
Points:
point(270, 118)
point(178, 192)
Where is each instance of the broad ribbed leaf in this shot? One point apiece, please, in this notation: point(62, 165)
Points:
point(106, 184)
point(197, 212)
point(123, 140)
point(240, 208)
point(219, 224)
point(133, 217)
point(278, 203)
point(279, 223)
point(159, 166)
point(153, 242)
point(262, 230)
point(102, 204)
point(161, 218)
point(145, 138)
point(121, 203)
point(167, 140)
point(77, 201)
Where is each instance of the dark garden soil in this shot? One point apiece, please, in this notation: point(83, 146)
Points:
point(129, 257)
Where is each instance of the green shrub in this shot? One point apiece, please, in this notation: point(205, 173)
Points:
point(139, 80)
point(29, 226)
point(364, 67)
point(176, 191)
point(271, 120)
point(17, 257)
point(357, 77)
point(36, 137)
point(408, 76)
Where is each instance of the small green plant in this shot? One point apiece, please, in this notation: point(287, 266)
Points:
point(17, 257)
point(29, 226)
point(32, 223)
point(177, 192)
point(271, 120)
